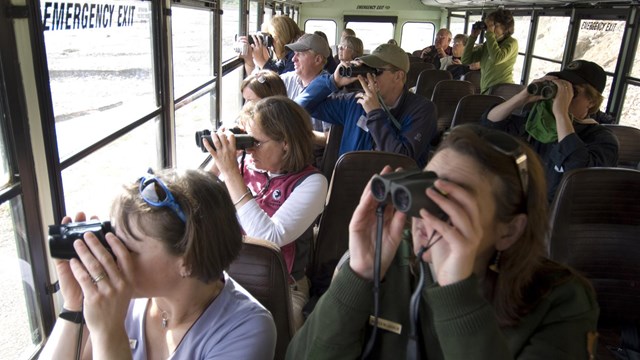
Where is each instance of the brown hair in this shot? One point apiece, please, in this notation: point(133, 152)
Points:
point(504, 18)
point(281, 119)
point(264, 83)
point(592, 94)
point(210, 239)
point(287, 32)
point(525, 274)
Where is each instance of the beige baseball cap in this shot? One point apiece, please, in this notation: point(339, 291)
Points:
point(387, 54)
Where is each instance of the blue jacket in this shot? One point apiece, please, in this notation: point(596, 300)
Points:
point(375, 130)
point(281, 66)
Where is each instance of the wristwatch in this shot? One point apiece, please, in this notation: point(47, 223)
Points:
point(75, 317)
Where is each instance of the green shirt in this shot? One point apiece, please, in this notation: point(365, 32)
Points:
point(496, 59)
point(456, 321)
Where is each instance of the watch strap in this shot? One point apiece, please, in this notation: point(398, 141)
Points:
point(75, 317)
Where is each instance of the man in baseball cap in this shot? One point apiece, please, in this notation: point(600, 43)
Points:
point(385, 116)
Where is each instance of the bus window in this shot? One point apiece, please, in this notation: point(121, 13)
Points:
point(548, 49)
point(328, 27)
point(253, 17)
point(416, 35)
point(100, 71)
point(4, 164)
point(472, 20)
point(600, 41)
point(630, 114)
point(520, 33)
point(21, 329)
point(230, 28)
point(456, 25)
point(372, 34)
point(231, 96)
point(192, 48)
point(91, 184)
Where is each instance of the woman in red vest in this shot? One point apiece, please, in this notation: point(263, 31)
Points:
point(277, 192)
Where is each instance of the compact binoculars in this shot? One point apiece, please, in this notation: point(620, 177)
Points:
point(407, 191)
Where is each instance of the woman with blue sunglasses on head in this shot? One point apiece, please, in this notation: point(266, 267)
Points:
point(471, 282)
point(276, 190)
point(165, 294)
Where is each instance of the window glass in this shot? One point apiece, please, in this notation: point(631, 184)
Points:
point(521, 31)
point(456, 26)
point(416, 36)
point(195, 116)
point(192, 48)
point(472, 20)
point(231, 96)
point(372, 34)
point(21, 330)
point(230, 27)
point(91, 184)
point(517, 69)
point(5, 172)
point(328, 27)
point(253, 17)
point(100, 68)
point(540, 68)
point(635, 68)
point(599, 41)
point(630, 115)
point(551, 37)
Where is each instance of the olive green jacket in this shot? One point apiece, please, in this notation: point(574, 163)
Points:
point(496, 59)
point(456, 321)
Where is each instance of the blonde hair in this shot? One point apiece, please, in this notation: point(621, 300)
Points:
point(287, 32)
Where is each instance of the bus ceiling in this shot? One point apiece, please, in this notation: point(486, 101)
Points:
point(519, 4)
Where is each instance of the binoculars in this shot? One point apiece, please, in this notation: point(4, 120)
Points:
point(407, 191)
point(479, 25)
point(61, 237)
point(547, 89)
point(354, 70)
point(243, 141)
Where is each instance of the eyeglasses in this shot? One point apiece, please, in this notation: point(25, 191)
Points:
point(507, 145)
point(155, 193)
point(257, 144)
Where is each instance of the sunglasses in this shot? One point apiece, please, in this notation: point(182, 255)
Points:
point(507, 145)
point(155, 193)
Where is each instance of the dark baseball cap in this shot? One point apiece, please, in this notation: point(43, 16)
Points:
point(311, 42)
point(580, 72)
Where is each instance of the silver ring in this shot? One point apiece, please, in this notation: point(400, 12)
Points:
point(99, 277)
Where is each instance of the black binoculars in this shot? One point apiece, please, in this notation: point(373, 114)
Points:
point(243, 140)
point(61, 237)
point(267, 39)
point(479, 25)
point(547, 89)
point(354, 70)
point(407, 191)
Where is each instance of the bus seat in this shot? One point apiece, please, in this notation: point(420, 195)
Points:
point(471, 107)
point(595, 222)
point(446, 95)
point(505, 90)
point(331, 150)
point(261, 270)
point(473, 76)
point(415, 68)
point(428, 79)
point(413, 59)
point(352, 172)
point(629, 145)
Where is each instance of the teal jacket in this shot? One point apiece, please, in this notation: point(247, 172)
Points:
point(456, 321)
point(496, 59)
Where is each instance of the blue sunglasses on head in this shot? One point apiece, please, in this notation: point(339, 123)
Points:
point(155, 193)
